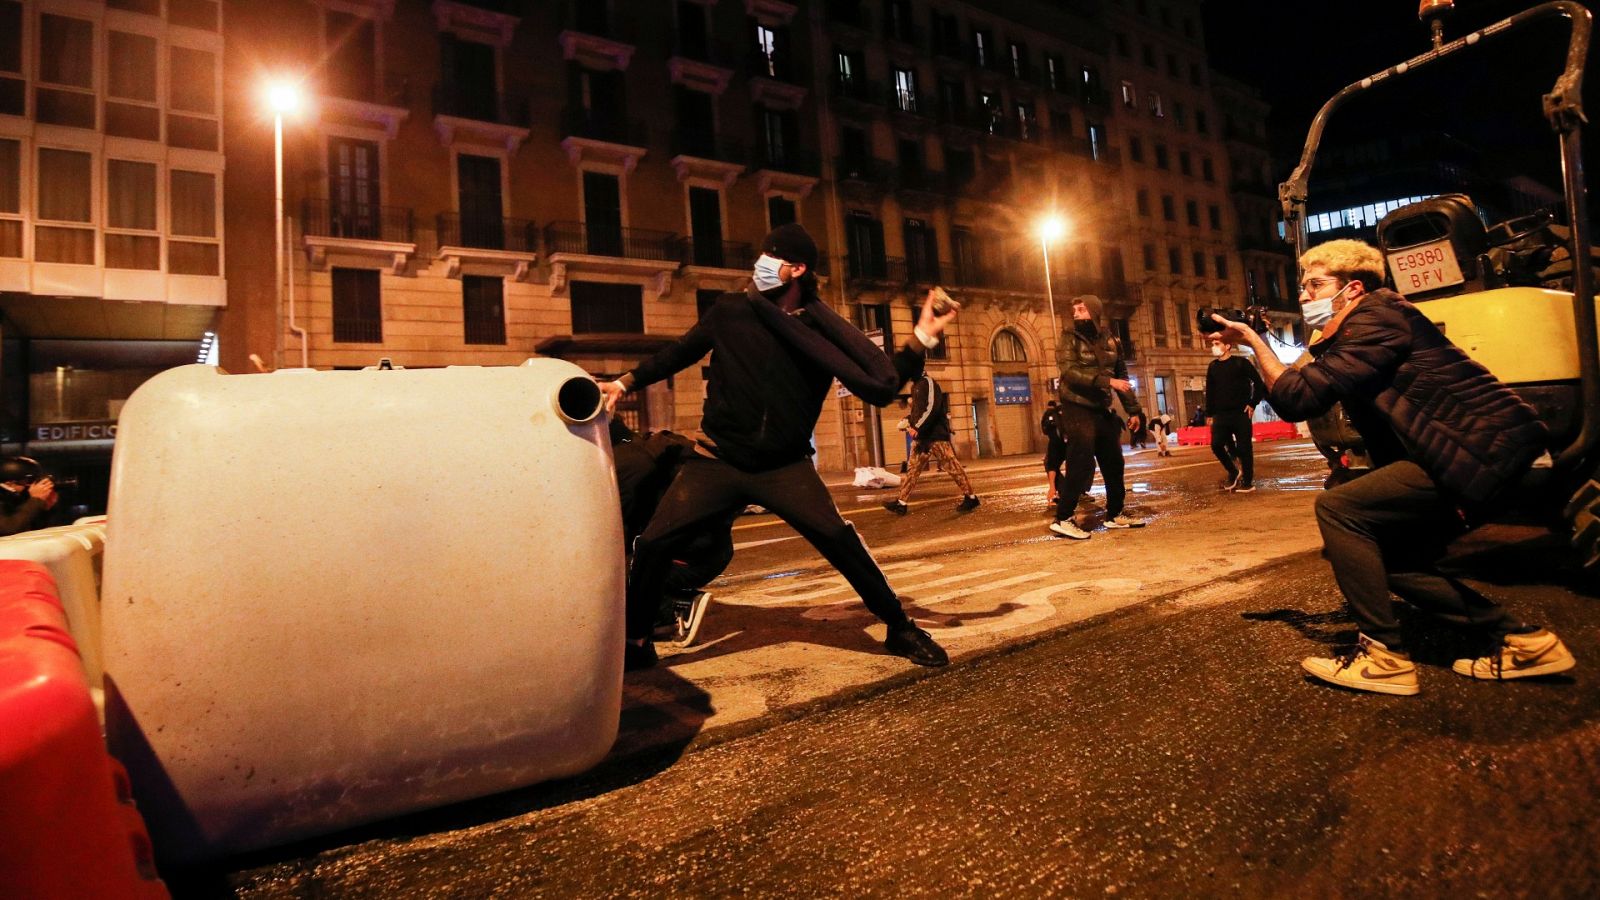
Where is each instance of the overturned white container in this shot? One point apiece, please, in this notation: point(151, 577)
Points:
point(333, 597)
point(72, 553)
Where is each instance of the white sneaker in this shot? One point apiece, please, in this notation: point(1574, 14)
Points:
point(1069, 529)
point(1124, 521)
point(687, 614)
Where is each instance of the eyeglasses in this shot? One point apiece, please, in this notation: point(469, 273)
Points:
point(1312, 285)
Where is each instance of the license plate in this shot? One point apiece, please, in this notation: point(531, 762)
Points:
point(1426, 267)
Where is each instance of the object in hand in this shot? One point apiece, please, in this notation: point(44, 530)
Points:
point(26, 470)
point(1253, 316)
point(942, 302)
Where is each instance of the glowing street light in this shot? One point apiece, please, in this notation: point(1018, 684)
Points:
point(284, 98)
point(1051, 228)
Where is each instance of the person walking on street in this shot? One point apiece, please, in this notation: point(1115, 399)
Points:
point(1233, 391)
point(1449, 443)
point(929, 427)
point(776, 349)
point(1091, 369)
point(1055, 448)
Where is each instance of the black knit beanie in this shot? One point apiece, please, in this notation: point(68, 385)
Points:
point(791, 243)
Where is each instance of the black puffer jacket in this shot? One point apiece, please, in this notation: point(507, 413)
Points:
point(1087, 366)
point(1414, 395)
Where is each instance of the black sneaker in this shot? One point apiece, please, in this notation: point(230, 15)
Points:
point(916, 645)
point(896, 507)
point(638, 656)
point(967, 504)
point(1231, 483)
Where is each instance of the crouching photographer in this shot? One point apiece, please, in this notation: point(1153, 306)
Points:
point(27, 493)
point(1448, 442)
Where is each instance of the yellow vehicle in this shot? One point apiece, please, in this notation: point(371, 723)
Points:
point(1519, 296)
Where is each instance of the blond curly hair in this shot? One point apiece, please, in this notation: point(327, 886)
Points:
point(1347, 260)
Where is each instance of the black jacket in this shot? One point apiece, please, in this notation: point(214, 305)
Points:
point(1233, 384)
point(930, 411)
point(771, 371)
point(1087, 366)
point(1414, 395)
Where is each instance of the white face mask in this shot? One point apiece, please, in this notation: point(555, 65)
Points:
point(1216, 350)
point(766, 273)
point(1318, 313)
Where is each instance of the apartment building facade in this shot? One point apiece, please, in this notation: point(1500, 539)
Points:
point(477, 183)
point(112, 246)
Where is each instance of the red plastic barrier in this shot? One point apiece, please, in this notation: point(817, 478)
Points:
point(68, 828)
point(1200, 435)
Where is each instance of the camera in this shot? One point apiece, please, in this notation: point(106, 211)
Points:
point(1254, 316)
point(25, 470)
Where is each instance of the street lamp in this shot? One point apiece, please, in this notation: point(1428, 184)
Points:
point(1050, 229)
point(284, 99)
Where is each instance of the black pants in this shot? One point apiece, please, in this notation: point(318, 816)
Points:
point(1230, 441)
point(1092, 435)
point(1386, 531)
point(707, 489)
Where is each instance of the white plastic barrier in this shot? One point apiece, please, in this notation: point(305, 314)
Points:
point(72, 553)
point(333, 597)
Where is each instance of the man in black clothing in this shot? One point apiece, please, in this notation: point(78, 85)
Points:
point(1055, 448)
point(1449, 442)
point(776, 349)
point(1091, 369)
point(1233, 391)
point(929, 427)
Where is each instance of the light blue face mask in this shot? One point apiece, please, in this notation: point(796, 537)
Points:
point(1318, 313)
point(766, 273)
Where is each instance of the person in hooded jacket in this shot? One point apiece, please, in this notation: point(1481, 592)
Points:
point(776, 349)
point(1091, 370)
point(1449, 443)
point(929, 426)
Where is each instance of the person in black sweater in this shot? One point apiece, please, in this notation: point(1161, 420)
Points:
point(929, 426)
point(1233, 390)
point(776, 349)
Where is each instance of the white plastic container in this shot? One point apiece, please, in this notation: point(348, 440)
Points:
point(72, 553)
point(333, 597)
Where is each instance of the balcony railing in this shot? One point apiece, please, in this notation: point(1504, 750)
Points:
point(480, 106)
point(775, 65)
point(923, 180)
point(606, 239)
point(707, 145)
point(355, 221)
point(718, 254)
point(781, 159)
point(716, 53)
point(884, 269)
point(1095, 96)
point(854, 168)
point(487, 233)
point(595, 125)
point(857, 89)
point(907, 33)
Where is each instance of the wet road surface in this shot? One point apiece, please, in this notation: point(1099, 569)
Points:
point(1171, 750)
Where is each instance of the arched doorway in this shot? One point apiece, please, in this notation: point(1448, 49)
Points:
point(1012, 417)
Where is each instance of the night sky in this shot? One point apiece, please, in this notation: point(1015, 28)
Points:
point(1301, 52)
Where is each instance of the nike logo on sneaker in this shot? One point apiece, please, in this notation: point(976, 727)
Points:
point(1367, 672)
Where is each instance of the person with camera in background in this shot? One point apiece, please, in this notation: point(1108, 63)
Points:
point(776, 348)
point(1233, 391)
point(26, 494)
point(1449, 443)
point(1091, 370)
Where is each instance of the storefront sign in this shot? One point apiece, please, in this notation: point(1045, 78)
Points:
point(1012, 390)
point(50, 432)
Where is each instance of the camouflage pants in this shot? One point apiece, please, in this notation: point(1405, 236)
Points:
point(946, 455)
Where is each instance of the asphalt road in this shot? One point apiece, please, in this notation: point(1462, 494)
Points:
point(1167, 746)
